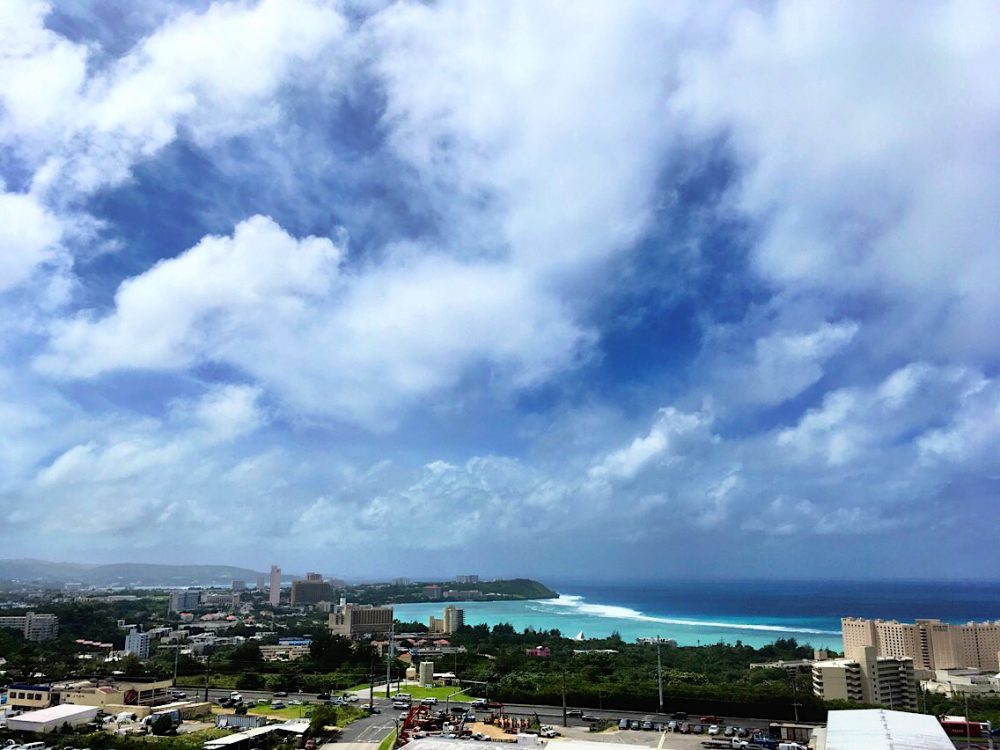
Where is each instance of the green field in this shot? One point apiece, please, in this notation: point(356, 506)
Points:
point(288, 712)
point(441, 693)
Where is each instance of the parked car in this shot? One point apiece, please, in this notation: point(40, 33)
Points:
point(698, 729)
point(277, 704)
point(647, 726)
point(713, 730)
point(730, 731)
point(712, 720)
point(429, 701)
point(685, 728)
point(672, 725)
point(634, 724)
point(623, 723)
point(295, 703)
point(742, 732)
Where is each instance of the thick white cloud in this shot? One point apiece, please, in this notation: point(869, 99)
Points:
point(212, 74)
point(660, 444)
point(28, 238)
point(552, 122)
point(41, 73)
point(866, 139)
point(863, 147)
point(358, 347)
point(199, 301)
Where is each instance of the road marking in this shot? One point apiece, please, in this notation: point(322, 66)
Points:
point(663, 738)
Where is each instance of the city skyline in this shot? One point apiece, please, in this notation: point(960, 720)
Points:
point(394, 289)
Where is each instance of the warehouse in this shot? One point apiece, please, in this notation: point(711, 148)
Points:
point(52, 719)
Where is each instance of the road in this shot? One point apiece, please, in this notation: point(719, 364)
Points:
point(373, 729)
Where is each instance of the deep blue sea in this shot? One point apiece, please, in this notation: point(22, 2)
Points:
point(755, 613)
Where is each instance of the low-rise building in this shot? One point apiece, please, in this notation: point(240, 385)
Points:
point(283, 652)
point(962, 681)
point(23, 696)
point(52, 719)
point(113, 695)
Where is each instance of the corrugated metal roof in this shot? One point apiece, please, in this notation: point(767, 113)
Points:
point(55, 713)
point(878, 729)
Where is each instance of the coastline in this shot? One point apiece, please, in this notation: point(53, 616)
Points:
point(573, 613)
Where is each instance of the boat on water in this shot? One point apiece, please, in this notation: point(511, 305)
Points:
point(579, 637)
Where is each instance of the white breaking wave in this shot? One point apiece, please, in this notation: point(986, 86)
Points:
point(580, 606)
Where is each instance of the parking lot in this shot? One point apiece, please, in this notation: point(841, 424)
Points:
point(661, 740)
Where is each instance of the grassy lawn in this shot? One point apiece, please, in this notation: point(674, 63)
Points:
point(435, 692)
point(388, 742)
point(288, 712)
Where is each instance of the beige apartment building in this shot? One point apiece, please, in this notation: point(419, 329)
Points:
point(453, 620)
point(930, 643)
point(879, 680)
point(355, 620)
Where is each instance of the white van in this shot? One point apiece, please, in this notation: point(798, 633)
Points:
point(33, 746)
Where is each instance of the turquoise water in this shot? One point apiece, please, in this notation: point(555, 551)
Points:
point(572, 613)
point(754, 612)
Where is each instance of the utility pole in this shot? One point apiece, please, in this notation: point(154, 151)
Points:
point(795, 695)
point(968, 727)
point(565, 718)
point(177, 651)
point(208, 669)
point(659, 672)
point(388, 660)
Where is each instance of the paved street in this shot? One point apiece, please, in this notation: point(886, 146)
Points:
point(373, 729)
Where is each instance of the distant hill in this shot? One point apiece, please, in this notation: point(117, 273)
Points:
point(124, 574)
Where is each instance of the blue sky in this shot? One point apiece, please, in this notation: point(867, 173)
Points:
point(641, 289)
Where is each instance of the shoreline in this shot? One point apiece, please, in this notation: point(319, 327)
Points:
point(573, 613)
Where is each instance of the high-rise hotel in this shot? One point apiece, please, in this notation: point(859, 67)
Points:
point(931, 644)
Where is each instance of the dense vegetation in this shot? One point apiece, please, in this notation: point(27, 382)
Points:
point(608, 673)
point(515, 588)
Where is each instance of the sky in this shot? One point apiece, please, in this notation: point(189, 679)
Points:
point(603, 290)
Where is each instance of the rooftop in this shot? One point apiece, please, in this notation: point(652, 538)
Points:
point(55, 713)
point(878, 729)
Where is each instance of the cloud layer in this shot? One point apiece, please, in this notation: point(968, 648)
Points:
point(637, 272)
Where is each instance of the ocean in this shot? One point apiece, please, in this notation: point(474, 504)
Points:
point(755, 613)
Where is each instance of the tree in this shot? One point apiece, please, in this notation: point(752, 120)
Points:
point(249, 681)
point(323, 716)
point(330, 651)
point(247, 654)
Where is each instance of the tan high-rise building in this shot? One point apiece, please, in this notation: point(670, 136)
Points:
point(931, 644)
point(454, 618)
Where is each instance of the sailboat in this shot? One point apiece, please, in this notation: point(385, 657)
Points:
point(579, 636)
